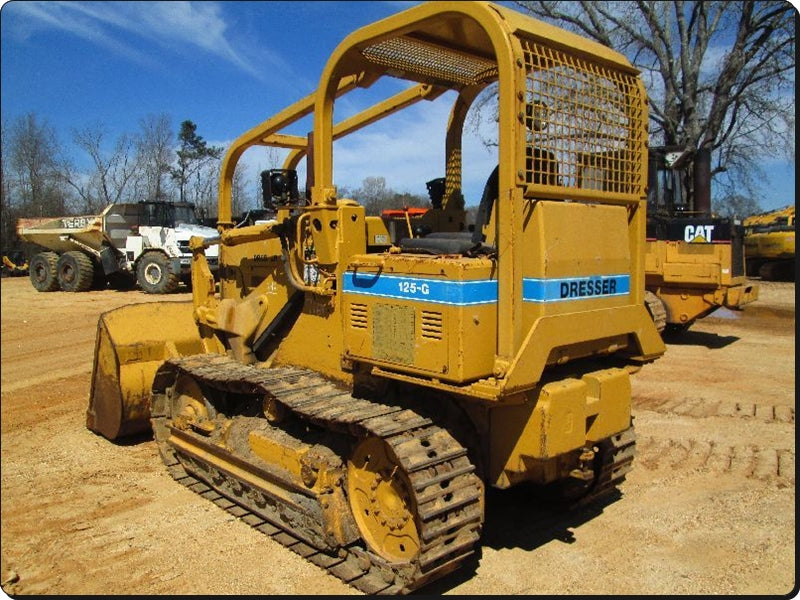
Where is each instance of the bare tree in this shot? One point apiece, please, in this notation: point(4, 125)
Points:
point(372, 194)
point(376, 197)
point(112, 170)
point(720, 75)
point(154, 153)
point(34, 181)
point(736, 206)
point(239, 199)
point(8, 212)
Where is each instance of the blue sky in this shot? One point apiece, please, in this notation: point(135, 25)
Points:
point(226, 66)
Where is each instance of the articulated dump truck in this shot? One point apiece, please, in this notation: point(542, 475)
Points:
point(353, 397)
point(143, 242)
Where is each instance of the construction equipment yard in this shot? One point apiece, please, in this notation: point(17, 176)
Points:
point(709, 507)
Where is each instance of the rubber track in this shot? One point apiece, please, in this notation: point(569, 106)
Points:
point(448, 493)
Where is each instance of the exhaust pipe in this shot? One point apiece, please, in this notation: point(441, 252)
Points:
point(702, 182)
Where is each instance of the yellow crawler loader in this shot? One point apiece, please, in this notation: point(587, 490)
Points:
point(353, 397)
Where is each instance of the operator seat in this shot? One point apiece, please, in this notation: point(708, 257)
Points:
point(541, 168)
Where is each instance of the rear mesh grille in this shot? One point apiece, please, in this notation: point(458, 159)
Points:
point(586, 124)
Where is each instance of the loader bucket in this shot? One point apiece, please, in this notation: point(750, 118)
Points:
point(132, 342)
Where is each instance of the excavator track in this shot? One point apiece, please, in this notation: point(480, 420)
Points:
point(447, 494)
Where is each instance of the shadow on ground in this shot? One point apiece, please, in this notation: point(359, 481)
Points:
point(712, 341)
point(519, 518)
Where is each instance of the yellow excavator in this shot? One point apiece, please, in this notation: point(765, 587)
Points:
point(353, 397)
point(769, 244)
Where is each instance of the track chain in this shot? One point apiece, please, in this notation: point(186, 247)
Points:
point(448, 494)
point(616, 461)
point(657, 310)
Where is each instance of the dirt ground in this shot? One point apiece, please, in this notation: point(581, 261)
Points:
point(708, 509)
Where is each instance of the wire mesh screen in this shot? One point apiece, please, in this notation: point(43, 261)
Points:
point(585, 125)
point(430, 62)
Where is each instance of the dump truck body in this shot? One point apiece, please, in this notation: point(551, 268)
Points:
point(353, 396)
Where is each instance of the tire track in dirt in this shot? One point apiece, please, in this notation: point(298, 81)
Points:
point(704, 408)
point(708, 509)
point(750, 461)
point(84, 368)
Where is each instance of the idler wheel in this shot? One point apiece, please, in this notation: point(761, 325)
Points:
point(382, 501)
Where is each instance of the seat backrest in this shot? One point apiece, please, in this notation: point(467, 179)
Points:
point(490, 190)
point(542, 168)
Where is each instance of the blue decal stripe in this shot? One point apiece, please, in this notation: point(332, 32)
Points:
point(483, 291)
point(575, 288)
point(461, 293)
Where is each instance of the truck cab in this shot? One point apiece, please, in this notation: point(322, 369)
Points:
point(153, 241)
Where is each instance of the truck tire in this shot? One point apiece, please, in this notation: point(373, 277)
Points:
point(75, 271)
point(155, 275)
point(43, 274)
